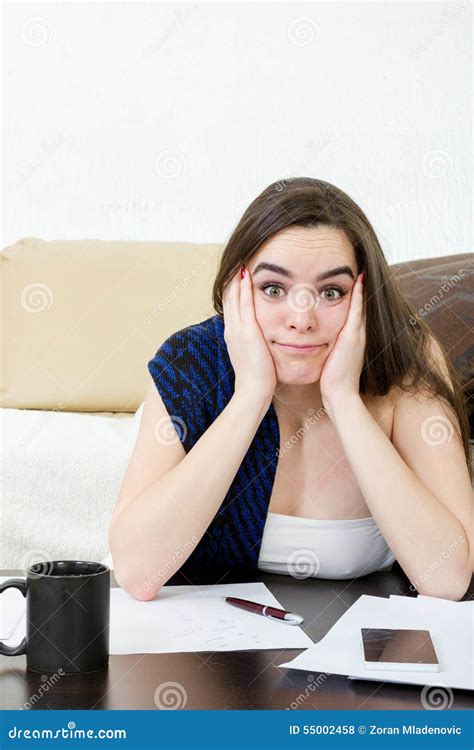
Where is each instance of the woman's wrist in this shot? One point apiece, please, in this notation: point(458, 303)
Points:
point(253, 400)
point(337, 404)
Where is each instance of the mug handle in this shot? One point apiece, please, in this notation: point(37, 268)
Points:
point(20, 584)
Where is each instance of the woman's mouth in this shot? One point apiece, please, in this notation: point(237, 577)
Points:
point(300, 349)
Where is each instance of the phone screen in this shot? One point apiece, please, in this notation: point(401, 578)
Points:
point(384, 648)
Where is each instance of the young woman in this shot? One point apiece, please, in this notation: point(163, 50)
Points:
point(313, 426)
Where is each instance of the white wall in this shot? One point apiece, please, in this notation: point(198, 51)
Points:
point(163, 121)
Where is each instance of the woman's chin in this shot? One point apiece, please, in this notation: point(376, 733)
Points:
point(297, 373)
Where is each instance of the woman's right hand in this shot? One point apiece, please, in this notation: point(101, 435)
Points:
point(249, 354)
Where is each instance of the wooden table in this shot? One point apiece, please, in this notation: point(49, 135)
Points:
point(231, 679)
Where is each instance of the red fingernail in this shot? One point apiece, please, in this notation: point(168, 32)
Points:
point(242, 272)
point(363, 277)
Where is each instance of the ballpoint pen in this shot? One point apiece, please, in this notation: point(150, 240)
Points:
point(273, 613)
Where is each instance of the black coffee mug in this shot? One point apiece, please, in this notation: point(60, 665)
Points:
point(67, 616)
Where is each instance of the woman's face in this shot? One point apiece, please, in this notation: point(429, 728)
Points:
point(294, 306)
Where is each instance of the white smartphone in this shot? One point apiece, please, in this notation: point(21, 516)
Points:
point(400, 649)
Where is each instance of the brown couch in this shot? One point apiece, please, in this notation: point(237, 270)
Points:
point(441, 290)
point(81, 318)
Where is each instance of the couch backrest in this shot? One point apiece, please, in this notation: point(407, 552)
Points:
point(81, 318)
point(441, 291)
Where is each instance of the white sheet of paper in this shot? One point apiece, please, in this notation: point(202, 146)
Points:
point(12, 609)
point(450, 624)
point(192, 618)
point(196, 618)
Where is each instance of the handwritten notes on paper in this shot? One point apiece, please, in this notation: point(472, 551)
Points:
point(197, 618)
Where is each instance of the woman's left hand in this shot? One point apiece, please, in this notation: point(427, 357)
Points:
point(341, 371)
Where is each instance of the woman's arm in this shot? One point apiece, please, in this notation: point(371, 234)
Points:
point(156, 531)
point(418, 489)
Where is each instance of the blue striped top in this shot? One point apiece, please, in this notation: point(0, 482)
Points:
point(195, 378)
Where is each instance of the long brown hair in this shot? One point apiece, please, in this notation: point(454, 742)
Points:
point(398, 343)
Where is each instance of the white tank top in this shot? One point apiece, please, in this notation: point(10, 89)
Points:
point(311, 547)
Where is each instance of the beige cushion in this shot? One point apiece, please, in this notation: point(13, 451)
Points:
point(81, 318)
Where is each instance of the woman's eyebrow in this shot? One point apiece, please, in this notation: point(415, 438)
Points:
point(339, 271)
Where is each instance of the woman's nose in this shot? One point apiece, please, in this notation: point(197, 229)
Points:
point(302, 325)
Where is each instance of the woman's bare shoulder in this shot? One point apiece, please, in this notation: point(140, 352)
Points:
point(382, 409)
point(385, 402)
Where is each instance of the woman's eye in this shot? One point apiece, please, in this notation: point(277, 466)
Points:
point(272, 286)
point(338, 290)
point(334, 292)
